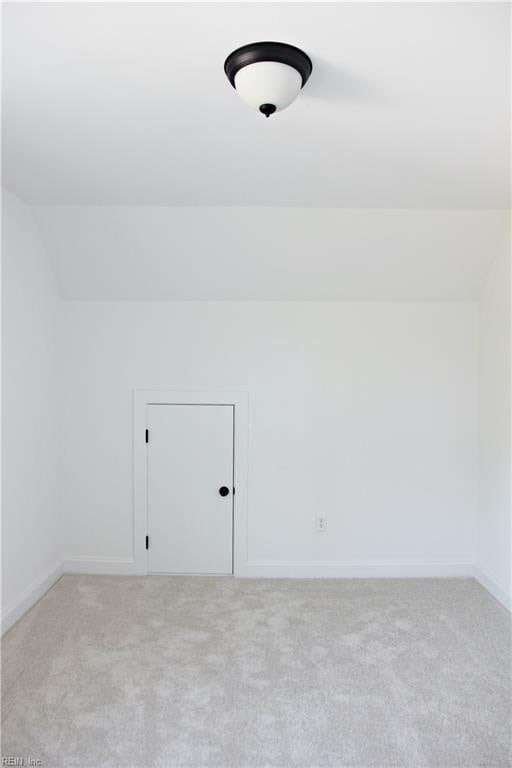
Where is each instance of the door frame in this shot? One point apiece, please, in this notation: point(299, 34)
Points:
point(240, 402)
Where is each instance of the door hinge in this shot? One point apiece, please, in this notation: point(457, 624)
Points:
point(147, 435)
point(233, 490)
point(147, 542)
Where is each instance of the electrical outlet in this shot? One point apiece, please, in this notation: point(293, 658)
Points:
point(321, 523)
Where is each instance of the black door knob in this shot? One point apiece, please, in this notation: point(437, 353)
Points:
point(224, 491)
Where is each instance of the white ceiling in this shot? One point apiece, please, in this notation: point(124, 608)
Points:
point(127, 103)
point(269, 253)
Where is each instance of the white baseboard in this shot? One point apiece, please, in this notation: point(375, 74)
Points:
point(101, 566)
point(338, 569)
point(267, 569)
point(501, 594)
point(29, 598)
point(298, 569)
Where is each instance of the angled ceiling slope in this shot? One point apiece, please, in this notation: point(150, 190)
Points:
point(143, 252)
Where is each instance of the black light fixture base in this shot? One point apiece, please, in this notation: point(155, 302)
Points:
point(256, 52)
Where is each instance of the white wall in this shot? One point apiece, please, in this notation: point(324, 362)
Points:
point(494, 523)
point(363, 411)
point(366, 411)
point(31, 546)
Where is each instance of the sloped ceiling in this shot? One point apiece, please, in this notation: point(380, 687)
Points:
point(150, 179)
point(105, 252)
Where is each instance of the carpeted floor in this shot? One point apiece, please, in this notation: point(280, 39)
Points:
point(175, 671)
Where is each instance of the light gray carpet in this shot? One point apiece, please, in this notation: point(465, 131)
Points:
point(174, 671)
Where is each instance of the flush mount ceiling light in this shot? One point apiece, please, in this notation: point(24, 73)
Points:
point(268, 76)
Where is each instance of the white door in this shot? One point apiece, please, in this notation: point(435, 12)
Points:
point(190, 488)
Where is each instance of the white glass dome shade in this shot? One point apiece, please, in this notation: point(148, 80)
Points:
point(268, 83)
